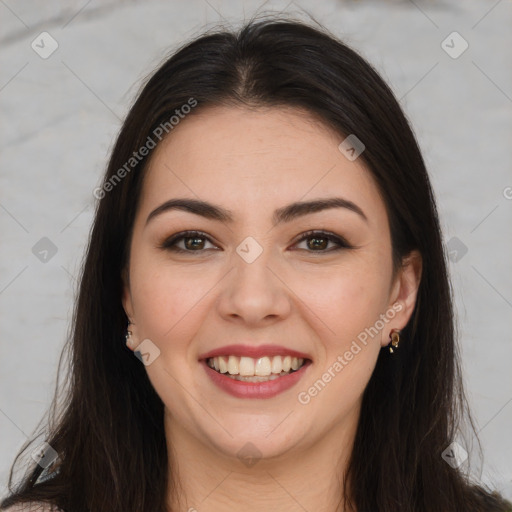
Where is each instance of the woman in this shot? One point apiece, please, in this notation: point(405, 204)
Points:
point(267, 244)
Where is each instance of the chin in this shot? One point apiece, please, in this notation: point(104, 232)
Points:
point(250, 443)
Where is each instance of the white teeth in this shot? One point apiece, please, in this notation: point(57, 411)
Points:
point(248, 367)
point(256, 378)
point(221, 363)
point(263, 367)
point(233, 366)
point(277, 365)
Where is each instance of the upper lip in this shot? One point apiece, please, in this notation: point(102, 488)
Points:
point(253, 351)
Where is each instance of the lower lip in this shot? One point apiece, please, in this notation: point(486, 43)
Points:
point(266, 389)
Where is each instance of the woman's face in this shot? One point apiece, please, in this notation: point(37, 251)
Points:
point(256, 280)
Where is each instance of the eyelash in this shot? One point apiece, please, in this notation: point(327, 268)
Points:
point(170, 243)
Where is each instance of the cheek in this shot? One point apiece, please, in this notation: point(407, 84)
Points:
point(348, 305)
point(168, 299)
point(347, 300)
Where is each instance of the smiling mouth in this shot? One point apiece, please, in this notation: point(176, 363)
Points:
point(248, 369)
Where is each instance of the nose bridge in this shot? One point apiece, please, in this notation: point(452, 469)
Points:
point(253, 291)
point(252, 261)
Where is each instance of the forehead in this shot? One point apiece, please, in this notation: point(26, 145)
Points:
point(250, 158)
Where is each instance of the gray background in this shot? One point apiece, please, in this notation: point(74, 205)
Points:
point(60, 116)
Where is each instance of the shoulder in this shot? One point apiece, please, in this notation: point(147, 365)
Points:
point(33, 506)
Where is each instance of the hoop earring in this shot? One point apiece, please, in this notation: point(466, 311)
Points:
point(395, 339)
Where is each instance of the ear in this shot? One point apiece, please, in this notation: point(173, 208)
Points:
point(126, 296)
point(404, 291)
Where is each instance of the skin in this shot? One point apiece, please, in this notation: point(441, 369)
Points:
point(253, 162)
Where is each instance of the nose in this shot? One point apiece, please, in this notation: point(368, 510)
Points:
point(255, 291)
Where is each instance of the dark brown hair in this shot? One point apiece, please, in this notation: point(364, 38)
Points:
point(109, 433)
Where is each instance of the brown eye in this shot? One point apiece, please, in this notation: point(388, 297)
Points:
point(318, 241)
point(193, 241)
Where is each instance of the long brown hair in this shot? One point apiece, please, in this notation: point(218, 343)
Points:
point(109, 433)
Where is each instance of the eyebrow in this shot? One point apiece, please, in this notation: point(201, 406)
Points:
point(281, 215)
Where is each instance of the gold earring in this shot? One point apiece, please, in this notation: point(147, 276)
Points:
point(395, 339)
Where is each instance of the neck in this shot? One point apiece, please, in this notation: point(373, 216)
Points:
point(205, 479)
